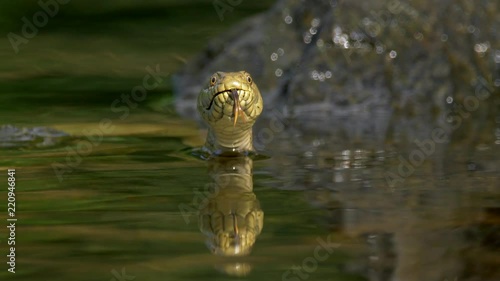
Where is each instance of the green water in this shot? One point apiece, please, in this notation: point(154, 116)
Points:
point(115, 202)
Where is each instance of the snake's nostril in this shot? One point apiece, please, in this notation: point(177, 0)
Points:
point(232, 84)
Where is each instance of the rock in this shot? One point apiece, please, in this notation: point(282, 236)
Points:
point(378, 69)
point(12, 136)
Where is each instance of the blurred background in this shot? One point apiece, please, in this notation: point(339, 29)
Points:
point(91, 51)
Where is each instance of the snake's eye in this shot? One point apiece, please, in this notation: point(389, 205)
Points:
point(213, 80)
point(249, 79)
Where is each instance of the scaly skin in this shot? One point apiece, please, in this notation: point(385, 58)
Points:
point(231, 218)
point(230, 104)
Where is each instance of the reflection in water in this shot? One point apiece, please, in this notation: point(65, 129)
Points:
point(425, 229)
point(231, 218)
point(235, 268)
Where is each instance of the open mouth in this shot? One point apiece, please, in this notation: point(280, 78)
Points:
point(237, 110)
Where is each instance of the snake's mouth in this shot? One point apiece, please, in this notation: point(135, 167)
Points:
point(231, 241)
point(237, 98)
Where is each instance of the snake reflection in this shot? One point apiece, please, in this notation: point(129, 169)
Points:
point(232, 218)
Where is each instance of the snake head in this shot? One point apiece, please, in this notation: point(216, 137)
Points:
point(231, 98)
point(232, 234)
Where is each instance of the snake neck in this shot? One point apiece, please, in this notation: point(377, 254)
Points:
point(229, 139)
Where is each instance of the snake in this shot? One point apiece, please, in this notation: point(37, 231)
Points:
point(231, 217)
point(230, 103)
